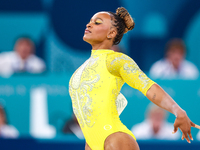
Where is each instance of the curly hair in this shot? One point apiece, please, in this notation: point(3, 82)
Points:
point(123, 22)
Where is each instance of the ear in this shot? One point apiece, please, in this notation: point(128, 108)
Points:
point(112, 34)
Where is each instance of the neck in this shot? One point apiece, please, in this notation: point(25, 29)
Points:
point(101, 46)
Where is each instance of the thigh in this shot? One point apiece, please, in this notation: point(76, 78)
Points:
point(87, 147)
point(120, 141)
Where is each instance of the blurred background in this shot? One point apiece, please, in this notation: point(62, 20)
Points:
point(41, 46)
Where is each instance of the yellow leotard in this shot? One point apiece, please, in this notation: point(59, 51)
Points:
point(94, 88)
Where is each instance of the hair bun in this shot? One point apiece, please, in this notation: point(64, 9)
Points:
point(128, 20)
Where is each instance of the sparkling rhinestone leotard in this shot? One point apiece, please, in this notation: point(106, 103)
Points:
point(94, 88)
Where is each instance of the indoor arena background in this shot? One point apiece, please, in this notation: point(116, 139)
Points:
point(39, 105)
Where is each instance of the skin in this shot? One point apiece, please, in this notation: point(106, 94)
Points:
point(175, 56)
point(24, 48)
point(157, 117)
point(159, 97)
point(2, 118)
point(100, 34)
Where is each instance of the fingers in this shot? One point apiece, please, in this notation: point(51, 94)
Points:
point(185, 127)
point(197, 126)
point(192, 124)
point(185, 136)
point(190, 135)
point(182, 138)
point(175, 128)
point(187, 139)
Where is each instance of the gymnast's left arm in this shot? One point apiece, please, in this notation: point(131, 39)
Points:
point(158, 96)
point(128, 70)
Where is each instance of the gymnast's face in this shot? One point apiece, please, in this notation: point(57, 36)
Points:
point(98, 29)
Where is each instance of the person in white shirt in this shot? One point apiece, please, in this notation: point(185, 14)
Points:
point(174, 65)
point(155, 126)
point(198, 136)
point(22, 59)
point(72, 127)
point(6, 131)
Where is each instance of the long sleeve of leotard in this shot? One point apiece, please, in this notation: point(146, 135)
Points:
point(123, 66)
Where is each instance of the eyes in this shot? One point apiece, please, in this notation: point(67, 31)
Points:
point(97, 22)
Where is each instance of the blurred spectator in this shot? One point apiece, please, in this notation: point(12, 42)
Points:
point(22, 59)
point(155, 126)
point(116, 48)
point(198, 136)
point(174, 65)
point(72, 127)
point(6, 131)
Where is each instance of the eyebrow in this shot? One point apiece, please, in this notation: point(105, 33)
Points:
point(97, 18)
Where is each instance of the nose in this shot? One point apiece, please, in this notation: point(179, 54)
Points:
point(89, 25)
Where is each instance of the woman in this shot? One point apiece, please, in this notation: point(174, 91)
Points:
point(96, 84)
point(6, 131)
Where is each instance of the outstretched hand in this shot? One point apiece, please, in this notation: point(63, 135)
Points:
point(184, 123)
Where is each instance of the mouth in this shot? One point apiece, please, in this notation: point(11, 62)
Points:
point(87, 31)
